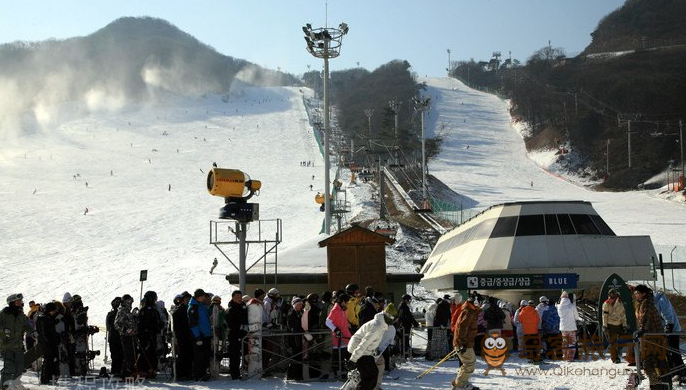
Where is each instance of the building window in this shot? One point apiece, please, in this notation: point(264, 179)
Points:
point(583, 224)
point(566, 225)
point(530, 225)
point(551, 226)
point(504, 227)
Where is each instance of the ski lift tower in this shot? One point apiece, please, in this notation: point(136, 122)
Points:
point(325, 43)
point(236, 188)
point(421, 104)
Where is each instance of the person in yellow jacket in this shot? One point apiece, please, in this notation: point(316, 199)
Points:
point(354, 305)
point(614, 322)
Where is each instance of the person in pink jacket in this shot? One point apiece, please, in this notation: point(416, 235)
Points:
point(337, 321)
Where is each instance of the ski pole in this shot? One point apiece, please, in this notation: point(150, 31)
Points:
point(448, 356)
point(107, 332)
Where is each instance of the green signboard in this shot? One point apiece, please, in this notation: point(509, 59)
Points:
point(515, 281)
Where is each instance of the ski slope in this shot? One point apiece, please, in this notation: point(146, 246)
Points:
point(148, 207)
point(141, 172)
point(483, 158)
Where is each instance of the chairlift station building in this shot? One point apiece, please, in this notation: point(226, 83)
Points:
point(542, 240)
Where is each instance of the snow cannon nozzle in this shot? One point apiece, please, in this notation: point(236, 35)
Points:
point(236, 187)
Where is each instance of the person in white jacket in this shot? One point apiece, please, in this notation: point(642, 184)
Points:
point(386, 341)
point(569, 315)
point(364, 349)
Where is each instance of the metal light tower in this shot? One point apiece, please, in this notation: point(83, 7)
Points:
point(421, 104)
point(325, 43)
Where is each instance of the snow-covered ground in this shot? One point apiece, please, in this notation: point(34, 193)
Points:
point(145, 169)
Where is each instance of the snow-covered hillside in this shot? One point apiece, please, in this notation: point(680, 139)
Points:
point(141, 173)
point(483, 158)
point(145, 169)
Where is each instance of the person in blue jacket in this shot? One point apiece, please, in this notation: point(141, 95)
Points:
point(670, 323)
point(199, 322)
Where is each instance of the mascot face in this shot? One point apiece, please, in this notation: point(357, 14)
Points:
point(494, 350)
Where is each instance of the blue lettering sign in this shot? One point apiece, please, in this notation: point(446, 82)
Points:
point(555, 281)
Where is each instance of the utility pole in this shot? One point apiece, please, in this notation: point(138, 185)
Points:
point(448, 68)
point(395, 107)
point(382, 208)
point(607, 158)
point(421, 104)
point(628, 137)
point(681, 146)
point(369, 112)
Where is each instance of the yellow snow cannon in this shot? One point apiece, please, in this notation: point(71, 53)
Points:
point(233, 184)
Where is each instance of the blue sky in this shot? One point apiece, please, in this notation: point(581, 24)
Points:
point(268, 32)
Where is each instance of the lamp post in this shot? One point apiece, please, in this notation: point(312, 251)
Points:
point(325, 43)
point(421, 104)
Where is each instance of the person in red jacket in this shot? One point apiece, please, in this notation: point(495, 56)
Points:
point(529, 319)
point(455, 310)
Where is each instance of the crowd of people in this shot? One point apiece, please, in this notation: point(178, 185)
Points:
point(313, 336)
point(324, 335)
point(57, 331)
point(550, 330)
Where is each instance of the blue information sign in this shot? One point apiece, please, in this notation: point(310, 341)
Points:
point(560, 281)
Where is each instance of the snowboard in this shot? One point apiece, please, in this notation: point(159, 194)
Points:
point(253, 353)
point(63, 347)
point(174, 346)
point(32, 355)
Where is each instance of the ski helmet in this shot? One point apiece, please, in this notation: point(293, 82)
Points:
point(273, 291)
point(342, 298)
point(351, 288)
point(312, 298)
